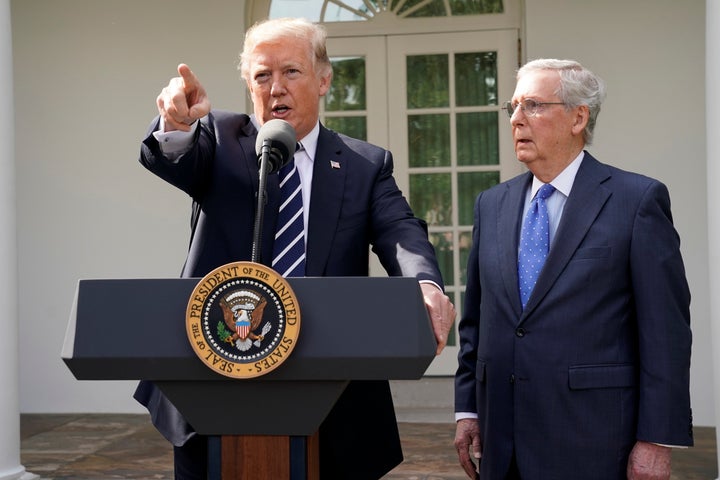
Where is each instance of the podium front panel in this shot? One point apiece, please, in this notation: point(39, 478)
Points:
point(352, 328)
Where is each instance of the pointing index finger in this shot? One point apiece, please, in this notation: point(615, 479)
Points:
point(196, 99)
point(189, 78)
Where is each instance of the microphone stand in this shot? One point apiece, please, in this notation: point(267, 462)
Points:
point(260, 210)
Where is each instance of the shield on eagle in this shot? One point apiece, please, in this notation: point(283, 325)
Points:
point(242, 313)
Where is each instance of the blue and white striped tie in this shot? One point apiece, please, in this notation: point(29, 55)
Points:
point(289, 248)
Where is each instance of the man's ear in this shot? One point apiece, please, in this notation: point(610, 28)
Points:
point(325, 81)
point(582, 117)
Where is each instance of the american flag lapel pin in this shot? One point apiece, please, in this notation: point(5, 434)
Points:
point(334, 164)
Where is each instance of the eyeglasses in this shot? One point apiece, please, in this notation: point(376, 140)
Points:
point(528, 106)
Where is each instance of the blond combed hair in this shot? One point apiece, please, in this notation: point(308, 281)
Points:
point(299, 29)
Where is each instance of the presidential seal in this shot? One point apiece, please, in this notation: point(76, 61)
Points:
point(243, 320)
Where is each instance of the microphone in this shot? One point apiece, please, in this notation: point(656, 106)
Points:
point(276, 142)
point(275, 146)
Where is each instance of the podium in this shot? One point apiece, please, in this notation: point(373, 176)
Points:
point(352, 328)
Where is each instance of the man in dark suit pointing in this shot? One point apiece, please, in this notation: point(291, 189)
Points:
point(350, 201)
point(575, 338)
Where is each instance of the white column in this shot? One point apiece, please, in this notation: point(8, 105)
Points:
point(712, 127)
point(10, 467)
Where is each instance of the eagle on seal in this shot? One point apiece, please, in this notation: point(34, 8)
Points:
point(243, 320)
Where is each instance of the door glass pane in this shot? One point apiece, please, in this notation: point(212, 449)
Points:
point(477, 138)
point(428, 85)
point(423, 8)
point(469, 185)
point(429, 140)
point(431, 197)
point(476, 78)
point(355, 127)
point(474, 7)
point(347, 90)
point(443, 243)
point(347, 93)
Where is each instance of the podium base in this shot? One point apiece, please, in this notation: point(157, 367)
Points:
point(264, 457)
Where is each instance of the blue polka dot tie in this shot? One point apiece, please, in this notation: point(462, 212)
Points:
point(289, 247)
point(534, 242)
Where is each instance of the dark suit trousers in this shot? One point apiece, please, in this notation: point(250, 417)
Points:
point(513, 472)
point(191, 459)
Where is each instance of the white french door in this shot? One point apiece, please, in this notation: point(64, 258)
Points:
point(434, 101)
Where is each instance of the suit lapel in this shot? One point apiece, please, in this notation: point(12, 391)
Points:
point(509, 211)
point(586, 199)
point(328, 186)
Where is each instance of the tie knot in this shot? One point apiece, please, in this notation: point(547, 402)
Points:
point(544, 192)
point(288, 168)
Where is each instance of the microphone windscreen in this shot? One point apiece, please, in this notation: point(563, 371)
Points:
point(281, 137)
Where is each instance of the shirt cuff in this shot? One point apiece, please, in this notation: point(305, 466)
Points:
point(432, 283)
point(175, 143)
point(463, 415)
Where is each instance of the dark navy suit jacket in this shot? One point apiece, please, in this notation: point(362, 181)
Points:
point(352, 207)
point(600, 357)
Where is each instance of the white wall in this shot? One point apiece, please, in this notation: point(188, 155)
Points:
point(651, 54)
point(86, 77)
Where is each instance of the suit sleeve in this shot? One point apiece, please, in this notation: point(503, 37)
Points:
point(191, 171)
point(662, 303)
point(400, 239)
point(468, 328)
